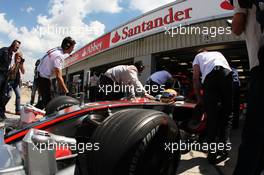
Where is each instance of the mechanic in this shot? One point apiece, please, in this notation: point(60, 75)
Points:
point(35, 86)
point(217, 87)
point(14, 79)
point(51, 64)
point(157, 80)
point(247, 20)
point(126, 77)
point(93, 86)
point(6, 54)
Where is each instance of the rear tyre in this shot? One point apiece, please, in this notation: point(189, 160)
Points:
point(59, 103)
point(133, 141)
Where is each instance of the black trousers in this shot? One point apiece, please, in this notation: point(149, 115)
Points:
point(44, 90)
point(33, 92)
point(236, 105)
point(3, 78)
point(251, 151)
point(218, 104)
point(93, 91)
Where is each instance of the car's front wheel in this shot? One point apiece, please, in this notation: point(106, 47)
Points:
point(134, 141)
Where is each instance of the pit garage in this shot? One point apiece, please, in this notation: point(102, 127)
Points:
point(180, 61)
point(76, 79)
point(164, 37)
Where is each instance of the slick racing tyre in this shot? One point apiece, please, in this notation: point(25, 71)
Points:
point(59, 103)
point(132, 142)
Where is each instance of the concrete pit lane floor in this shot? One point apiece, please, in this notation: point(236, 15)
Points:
point(195, 163)
point(192, 163)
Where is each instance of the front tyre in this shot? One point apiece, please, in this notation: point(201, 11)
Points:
point(132, 142)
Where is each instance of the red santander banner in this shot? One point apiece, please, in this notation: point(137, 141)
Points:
point(89, 50)
point(181, 12)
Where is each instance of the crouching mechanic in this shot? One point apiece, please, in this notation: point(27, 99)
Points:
point(122, 80)
point(51, 64)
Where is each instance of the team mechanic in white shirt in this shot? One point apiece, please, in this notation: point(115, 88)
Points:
point(157, 81)
point(50, 64)
point(217, 87)
point(251, 151)
point(125, 76)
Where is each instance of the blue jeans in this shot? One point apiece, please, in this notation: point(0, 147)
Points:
point(16, 88)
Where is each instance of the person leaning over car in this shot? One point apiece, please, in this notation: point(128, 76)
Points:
point(217, 87)
point(250, 159)
point(126, 77)
point(6, 54)
point(51, 64)
point(157, 81)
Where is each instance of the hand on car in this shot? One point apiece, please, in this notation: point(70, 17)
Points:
point(150, 97)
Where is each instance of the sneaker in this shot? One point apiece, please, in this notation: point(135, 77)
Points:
point(223, 155)
point(215, 158)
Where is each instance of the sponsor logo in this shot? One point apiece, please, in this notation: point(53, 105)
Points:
point(171, 17)
point(116, 38)
point(90, 49)
point(226, 5)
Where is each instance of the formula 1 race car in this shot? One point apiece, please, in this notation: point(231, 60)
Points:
point(110, 137)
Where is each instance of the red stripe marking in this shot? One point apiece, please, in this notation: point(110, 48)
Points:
point(43, 125)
